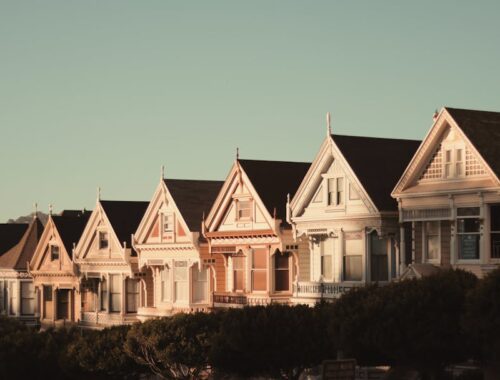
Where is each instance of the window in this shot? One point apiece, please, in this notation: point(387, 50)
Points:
point(326, 247)
point(468, 233)
point(103, 240)
point(238, 273)
point(454, 162)
point(259, 270)
point(495, 231)
point(115, 293)
point(335, 191)
point(353, 256)
point(48, 310)
point(244, 209)
point(459, 162)
point(432, 240)
point(181, 281)
point(165, 284)
point(379, 263)
point(168, 223)
point(200, 281)
point(27, 298)
point(132, 295)
point(104, 295)
point(447, 163)
point(54, 252)
point(281, 272)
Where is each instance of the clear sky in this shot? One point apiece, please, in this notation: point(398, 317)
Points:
point(102, 93)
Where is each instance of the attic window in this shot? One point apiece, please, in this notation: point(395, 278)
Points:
point(335, 191)
point(54, 252)
point(244, 209)
point(168, 223)
point(103, 240)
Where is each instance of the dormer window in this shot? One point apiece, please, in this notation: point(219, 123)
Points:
point(54, 252)
point(244, 209)
point(103, 240)
point(335, 191)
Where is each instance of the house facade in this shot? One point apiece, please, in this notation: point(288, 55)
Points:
point(344, 210)
point(173, 254)
point(108, 274)
point(54, 273)
point(449, 196)
point(17, 293)
point(255, 254)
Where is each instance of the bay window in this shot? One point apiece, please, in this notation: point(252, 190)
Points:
point(353, 256)
point(379, 262)
point(200, 282)
point(259, 269)
point(27, 298)
point(165, 285)
point(104, 295)
point(327, 259)
point(115, 293)
point(238, 273)
point(181, 281)
point(132, 295)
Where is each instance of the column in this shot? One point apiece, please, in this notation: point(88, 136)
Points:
point(402, 249)
point(54, 304)
point(124, 299)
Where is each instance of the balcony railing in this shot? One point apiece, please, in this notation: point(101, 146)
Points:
point(322, 289)
point(230, 299)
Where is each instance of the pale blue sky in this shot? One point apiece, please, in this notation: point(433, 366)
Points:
point(102, 93)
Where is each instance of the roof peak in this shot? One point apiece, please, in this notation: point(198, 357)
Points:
point(372, 138)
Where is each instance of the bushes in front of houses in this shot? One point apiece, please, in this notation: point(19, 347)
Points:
point(424, 324)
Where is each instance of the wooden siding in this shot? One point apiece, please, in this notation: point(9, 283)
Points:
point(304, 260)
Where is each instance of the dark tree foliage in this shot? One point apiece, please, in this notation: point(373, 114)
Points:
point(101, 354)
point(272, 341)
point(413, 323)
point(482, 317)
point(176, 347)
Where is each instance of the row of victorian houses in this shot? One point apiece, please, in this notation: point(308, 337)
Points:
point(365, 210)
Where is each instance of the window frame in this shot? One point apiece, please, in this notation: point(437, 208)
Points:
point(254, 270)
point(52, 256)
point(333, 193)
point(241, 201)
point(493, 232)
point(31, 298)
point(101, 234)
point(478, 218)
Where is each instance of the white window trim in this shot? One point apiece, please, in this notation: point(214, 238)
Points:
point(103, 229)
point(326, 179)
point(453, 147)
point(424, 243)
point(163, 233)
point(457, 234)
point(239, 199)
point(322, 254)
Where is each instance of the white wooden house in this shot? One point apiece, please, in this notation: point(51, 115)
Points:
point(173, 254)
point(108, 265)
point(449, 196)
point(343, 208)
point(17, 293)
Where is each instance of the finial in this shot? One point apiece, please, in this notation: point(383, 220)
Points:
point(328, 124)
point(35, 210)
point(237, 153)
point(274, 213)
point(435, 115)
point(288, 198)
point(98, 193)
point(162, 172)
point(203, 216)
point(50, 209)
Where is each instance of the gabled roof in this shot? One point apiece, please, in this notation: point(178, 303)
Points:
point(124, 217)
point(378, 164)
point(482, 128)
point(70, 225)
point(10, 235)
point(18, 256)
point(193, 198)
point(273, 180)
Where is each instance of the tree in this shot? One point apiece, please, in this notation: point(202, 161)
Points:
point(174, 347)
point(414, 323)
point(275, 340)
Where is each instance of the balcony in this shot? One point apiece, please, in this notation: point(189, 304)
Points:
point(311, 292)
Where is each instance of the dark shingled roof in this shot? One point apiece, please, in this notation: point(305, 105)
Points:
point(193, 198)
point(10, 235)
point(378, 163)
point(482, 128)
point(273, 180)
point(124, 217)
point(70, 225)
point(18, 256)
